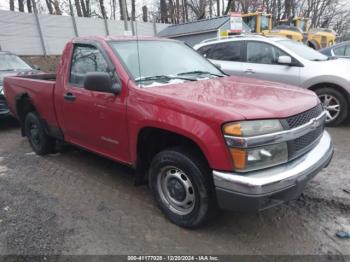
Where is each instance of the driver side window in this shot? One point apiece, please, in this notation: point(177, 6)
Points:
point(86, 59)
point(263, 53)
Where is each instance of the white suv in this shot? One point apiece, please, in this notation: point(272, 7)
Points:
point(279, 59)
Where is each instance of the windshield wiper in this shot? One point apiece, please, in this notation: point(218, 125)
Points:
point(199, 72)
point(162, 78)
point(8, 70)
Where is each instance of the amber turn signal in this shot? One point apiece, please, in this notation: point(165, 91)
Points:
point(239, 157)
point(233, 129)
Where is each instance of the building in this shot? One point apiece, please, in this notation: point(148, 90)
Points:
point(195, 32)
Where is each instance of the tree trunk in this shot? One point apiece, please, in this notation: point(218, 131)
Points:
point(144, 14)
point(56, 5)
point(21, 5)
point(210, 8)
point(29, 6)
point(184, 11)
point(171, 11)
point(12, 5)
point(85, 7)
point(78, 8)
point(218, 7)
point(178, 11)
point(288, 9)
point(133, 10)
point(114, 8)
point(121, 10)
point(231, 6)
point(103, 10)
point(49, 6)
point(163, 11)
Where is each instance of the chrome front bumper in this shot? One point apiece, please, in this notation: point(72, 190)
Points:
point(280, 178)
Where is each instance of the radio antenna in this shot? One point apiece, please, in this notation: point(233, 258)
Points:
point(138, 50)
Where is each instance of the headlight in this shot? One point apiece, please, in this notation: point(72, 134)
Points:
point(252, 128)
point(1, 90)
point(249, 159)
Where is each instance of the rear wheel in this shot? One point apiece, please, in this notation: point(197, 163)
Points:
point(181, 185)
point(335, 105)
point(40, 142)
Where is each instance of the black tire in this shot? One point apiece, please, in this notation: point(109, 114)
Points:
point(343, 102)
point(198, 173)
point(40, 142)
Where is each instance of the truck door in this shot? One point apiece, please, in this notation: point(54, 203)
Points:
point(93, 120)
point(262, 63)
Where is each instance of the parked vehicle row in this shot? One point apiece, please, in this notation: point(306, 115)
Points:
point(11, 65)
point(282, 60)
point(201, 139)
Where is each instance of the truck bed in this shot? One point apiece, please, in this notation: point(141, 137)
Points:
point(44, 77)
point(38, 88)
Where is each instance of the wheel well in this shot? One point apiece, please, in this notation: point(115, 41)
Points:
point(337, 87)
point(153, 140)
point(23, 107)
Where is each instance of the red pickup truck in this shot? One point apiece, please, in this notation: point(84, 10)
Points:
point(201, 139)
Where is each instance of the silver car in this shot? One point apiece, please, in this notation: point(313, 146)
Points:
point(279, 59)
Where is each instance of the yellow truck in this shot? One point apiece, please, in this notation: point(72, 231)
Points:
point(315, 38)
point(297, 30)
point(261, 23)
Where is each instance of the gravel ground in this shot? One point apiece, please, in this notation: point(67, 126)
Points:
point(75, 202)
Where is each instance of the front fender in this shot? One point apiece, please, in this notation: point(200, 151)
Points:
point(207, 136)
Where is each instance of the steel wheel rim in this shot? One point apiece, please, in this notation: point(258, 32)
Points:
point(331, 105)
point(34, 134)
point(176, 190)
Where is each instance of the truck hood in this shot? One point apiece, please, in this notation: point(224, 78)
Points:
point(251, 99)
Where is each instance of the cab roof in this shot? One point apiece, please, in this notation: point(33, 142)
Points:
point(119, 38)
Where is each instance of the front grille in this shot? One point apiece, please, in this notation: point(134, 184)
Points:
point(303, 118)
point(305, 143)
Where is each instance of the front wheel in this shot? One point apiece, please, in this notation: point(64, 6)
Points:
point(181, 185)
point(335, 105)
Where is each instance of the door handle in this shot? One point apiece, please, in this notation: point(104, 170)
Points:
point(249, 71)
point(69, 97)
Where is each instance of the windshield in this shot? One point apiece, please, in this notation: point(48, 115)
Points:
point(303, 50)
point(264, 23)
point(302, 25)
point(163, 61)
point(251, 22)
point(9, 62)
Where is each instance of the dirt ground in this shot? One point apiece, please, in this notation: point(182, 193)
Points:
point(75, 202)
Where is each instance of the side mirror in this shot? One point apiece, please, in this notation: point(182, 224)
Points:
point(101, 82)
point(285, 60)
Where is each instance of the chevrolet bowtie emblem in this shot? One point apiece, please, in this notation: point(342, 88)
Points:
point(315, 124)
